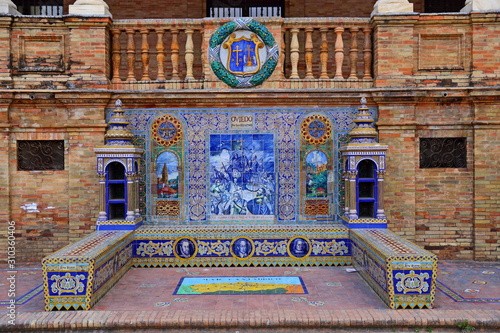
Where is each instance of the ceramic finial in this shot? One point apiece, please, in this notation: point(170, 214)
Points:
point(118, 103)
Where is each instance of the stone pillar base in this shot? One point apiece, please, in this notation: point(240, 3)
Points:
point(392, 6)
point(89, 10)
point(480, 5)
point(8, 7)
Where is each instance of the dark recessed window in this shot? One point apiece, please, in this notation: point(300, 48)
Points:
point(246, 8)
point(40, 7)
point(40, 155)
point(116, 194)
point(444, 6)
point(443, 153)
point(367, 189)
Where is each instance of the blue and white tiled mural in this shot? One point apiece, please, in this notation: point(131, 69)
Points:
point(241, 165)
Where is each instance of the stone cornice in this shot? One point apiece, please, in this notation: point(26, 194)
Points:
point(254, 97)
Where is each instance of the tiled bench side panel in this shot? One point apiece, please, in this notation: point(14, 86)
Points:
point(401, 273)
point(77, 276)
point(371, 267)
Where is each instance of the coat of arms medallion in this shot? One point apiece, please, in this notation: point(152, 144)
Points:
point(243, 53)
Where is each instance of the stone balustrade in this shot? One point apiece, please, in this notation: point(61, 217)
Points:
point(97, 52)
point(172, 54)
point(326, 52)
point(147, 51)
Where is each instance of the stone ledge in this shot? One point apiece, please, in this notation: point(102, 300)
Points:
point(257, 320)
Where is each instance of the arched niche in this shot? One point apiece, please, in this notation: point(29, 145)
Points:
point(116, 191)
point(366, 189)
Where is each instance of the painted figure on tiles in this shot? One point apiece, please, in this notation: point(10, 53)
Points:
point(242, 248)
point(237, 204)
point(242, 174)
point(261, 204)
point(299, 247)
point(185, 248)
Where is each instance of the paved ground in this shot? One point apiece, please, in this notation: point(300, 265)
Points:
point(144, 300)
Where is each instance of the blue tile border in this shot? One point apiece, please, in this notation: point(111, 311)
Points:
point(459, 298)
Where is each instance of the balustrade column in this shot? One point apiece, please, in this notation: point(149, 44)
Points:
point(354, 53)
point(189, 54)
point(294, 53)
point(130, 55)
point(116, 55)
point(160, 56)
point(339, 53)
point(174, 57)
point(309, 53)
point(145, 55)
point(367, 53)
point(324, 54)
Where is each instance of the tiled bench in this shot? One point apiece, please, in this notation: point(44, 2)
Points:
point(77, 276)
point(400, 272)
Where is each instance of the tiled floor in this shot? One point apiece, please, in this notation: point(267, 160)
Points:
point(327, 287)
point(462, 285)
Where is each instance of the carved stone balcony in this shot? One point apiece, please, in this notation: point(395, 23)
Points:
point(173, 54)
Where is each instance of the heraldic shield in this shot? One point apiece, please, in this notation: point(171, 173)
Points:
point(243, 58)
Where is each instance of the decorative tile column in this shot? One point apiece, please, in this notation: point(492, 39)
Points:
point(363, 146)
point(119, 148)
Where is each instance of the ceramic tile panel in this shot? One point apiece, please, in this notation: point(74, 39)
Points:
point(241, 246)
point(401, 273)
point(260, 165)
point(77, 276)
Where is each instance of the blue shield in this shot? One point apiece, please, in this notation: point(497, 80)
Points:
point(243, 58)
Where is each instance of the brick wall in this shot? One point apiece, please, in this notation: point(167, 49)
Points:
point(5, 214)
point(487, 182)
point(397, 130)
point(486, 67)
point(53, 208)
point(444, 196)
point(454, 212)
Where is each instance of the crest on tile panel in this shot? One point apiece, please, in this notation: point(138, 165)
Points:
point(243, 53)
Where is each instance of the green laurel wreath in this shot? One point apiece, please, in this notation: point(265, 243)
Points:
point(260, 30)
